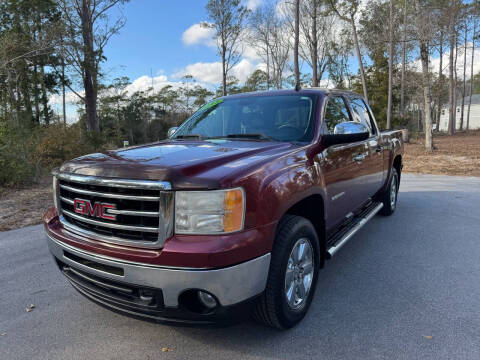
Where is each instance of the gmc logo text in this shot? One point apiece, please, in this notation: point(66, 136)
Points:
point(98, 209)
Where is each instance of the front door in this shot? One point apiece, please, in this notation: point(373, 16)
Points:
point(340, 167)
point(372, 177)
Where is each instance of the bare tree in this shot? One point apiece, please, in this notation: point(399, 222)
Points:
point(346, 10)
point(404, 60)
point(464, 85)
point(88, 32)
point(280, 52)
point(228, 19)
point(455, 81)
point(423, 22)
point(440, 77)
point(281, 44)
point(471, 70)
point(296, 44)
point(453, 10)
point(314, 64)
point(390, 66)
point(318, 46)
point(261, 25)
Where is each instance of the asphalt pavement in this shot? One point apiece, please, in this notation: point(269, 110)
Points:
point(405, 287)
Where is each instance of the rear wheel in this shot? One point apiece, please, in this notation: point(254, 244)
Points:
point(389, 197)
point(292, 276)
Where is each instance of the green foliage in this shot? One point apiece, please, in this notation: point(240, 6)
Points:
point(257, 81)
point(28, 31)
point(28, 152)
point(58, 143)
point(377, 84)
point(16, 147)
point(146, 116)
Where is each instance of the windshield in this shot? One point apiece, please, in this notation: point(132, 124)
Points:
point(279, 118)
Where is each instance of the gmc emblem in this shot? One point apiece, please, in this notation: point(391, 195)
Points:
point(99, 209)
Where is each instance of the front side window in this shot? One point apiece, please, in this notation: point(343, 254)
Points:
point(335, 113)
point(360, 114)
point(280, 118)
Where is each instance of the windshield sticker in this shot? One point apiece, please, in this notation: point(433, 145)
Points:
point(211, 104)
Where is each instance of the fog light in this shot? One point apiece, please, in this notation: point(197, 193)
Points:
point(206, 299)
point(146, 295)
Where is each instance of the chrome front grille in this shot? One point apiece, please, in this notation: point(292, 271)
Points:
point(138, 213)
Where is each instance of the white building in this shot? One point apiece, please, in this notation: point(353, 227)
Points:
point(474, 114)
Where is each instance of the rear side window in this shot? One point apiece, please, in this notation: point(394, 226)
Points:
point(335, 113)
point(360, 114)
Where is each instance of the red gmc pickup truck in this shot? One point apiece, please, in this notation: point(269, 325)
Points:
point(237, 211)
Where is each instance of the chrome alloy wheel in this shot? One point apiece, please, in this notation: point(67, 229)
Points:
point(393, 192)
point(299, 274)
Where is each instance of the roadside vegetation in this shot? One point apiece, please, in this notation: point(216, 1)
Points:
point(55, 48)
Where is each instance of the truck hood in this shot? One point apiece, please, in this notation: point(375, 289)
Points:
point(185, 163)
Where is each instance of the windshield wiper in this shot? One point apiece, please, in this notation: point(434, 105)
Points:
point(189, 136)
point(248, 136)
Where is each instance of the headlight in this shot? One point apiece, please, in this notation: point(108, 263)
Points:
point(209, 212)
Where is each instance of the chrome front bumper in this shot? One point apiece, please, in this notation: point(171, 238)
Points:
point(230, 285)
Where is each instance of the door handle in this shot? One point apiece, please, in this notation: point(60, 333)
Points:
point(359, 157)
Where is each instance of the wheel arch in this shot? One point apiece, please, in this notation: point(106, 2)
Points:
point(397, 164)
point(312, 208)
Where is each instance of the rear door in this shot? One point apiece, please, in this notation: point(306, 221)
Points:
point(373, 170)
point(340, 169)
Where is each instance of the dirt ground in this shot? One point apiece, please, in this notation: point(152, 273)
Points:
point(23, 207)
point(454, 155)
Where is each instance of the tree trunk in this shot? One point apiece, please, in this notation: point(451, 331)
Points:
point(64, 108)
point(404, 59)
point(36, 97)
point(27, 103)
point(464, 77)
point(315, 79)
point(390, 69)
point(451, 93)
point(224, 71)
point(455, 83)
point(440, 81)
point(268, 69)
point(426, 96)
point(89, 71)
point(16, 108)
point(471, 72)
point(359, 57)
point(25, 91)
point(295, 48)
point(46, 114)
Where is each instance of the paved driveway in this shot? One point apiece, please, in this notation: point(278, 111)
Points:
point(406, 287)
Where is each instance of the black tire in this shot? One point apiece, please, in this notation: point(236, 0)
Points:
point(272, 307)
point(389, 204)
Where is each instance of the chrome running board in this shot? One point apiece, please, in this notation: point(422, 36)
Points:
point(341, 237)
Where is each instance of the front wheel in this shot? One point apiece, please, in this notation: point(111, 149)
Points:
point(389, 198)
point(292, 276)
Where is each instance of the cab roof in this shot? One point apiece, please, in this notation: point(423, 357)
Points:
point(310, 90)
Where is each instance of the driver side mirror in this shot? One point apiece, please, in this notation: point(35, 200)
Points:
point(346, 132)
point(171, 131)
